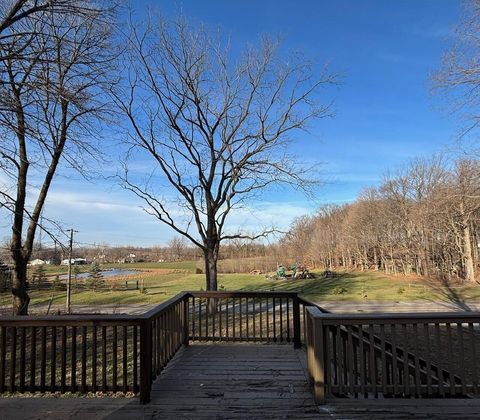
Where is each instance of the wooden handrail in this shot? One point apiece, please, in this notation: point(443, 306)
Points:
point(399, 318)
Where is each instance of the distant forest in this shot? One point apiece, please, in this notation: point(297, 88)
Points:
point(424, 219)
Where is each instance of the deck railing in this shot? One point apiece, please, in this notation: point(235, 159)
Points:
point(348, 355)
point(245, 316)
point(393, 355)
point(90, 353)
point(125, 353)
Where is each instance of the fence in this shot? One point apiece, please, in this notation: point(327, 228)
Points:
point(393, 355)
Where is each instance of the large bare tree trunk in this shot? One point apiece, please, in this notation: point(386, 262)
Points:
point(211, 258)
point(467, 254)
point(19, 286)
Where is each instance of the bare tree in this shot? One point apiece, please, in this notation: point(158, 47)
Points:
point(217, 132)
point(51, 98)
point(459, 77)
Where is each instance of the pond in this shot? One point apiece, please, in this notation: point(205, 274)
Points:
point(106, 273)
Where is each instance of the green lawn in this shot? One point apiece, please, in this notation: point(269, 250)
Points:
point(345, 286)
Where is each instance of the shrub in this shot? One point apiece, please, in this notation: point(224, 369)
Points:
point(401, 290)
point(57, 284)
point(339, 290)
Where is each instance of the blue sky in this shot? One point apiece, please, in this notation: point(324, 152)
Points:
point(384, 53)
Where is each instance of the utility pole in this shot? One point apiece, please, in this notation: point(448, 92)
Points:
point(69, 281)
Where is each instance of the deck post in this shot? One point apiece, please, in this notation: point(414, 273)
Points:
point(145, 360)
point(316, 353)
point(319, 361)
point(186, 329)
point(297, 342)
point(309, 348)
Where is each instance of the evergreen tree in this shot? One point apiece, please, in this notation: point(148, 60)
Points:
point(39, 277)
point(95, 280)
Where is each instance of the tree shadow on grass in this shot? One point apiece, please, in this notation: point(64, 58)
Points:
point(312, 288)
point(448, 294)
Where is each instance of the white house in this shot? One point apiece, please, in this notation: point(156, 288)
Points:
point(38, 262)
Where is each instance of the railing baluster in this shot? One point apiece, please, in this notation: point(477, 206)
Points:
point(84, 359)
point(426, 333)
point(384, 359)
point(214, 315)
point(340, 360)
point(114, 358)
point(200, 318)
point(135, 358)
point(207, 316)
point(63, 361)
point(417, 361)
point(234, 309)
point(395, 371)
point(371, 363)
point(125, 358)
point(254, 320)
point(226, 319)
point(274, 320)
point(240, 322)
point(13, 357)
point(441, 389)
point(288, 319)
point(350, 361)
point(268, 320)
point(220, 312)
point(473, 357)
point(463, 377)
point(406, 373)
point(281, 319)
point(53, 361)
point(22, 358)
point(261, 323)
point(362, 360)
point(73, 358)
point(247, 313)
point(154, 347)
point(3, 356)
point(104, 359)
point(94, 358)
point(450, 358)
point(43, 360)
point(164, 338)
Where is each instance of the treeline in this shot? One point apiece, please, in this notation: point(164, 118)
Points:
point(424, 219)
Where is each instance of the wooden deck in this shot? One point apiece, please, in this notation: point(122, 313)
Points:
point(234, 381)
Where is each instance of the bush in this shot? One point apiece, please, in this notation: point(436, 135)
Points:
point(401, 290)
point(339, 290)
point(57, 284)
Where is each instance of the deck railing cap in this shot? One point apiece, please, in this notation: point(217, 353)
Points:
point(352, 318)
